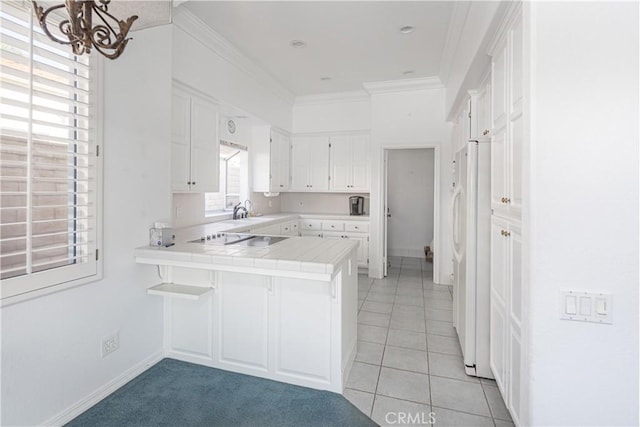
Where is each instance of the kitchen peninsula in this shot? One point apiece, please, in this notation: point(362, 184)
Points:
point(286, 311)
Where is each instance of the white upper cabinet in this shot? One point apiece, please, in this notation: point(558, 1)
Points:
point(310, 163)
point(270, 153)
point(280, 161)
point(481, 112)
point(194, 144)
point(350, 163)
point(506, 132)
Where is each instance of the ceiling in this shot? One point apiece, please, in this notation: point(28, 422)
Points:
point(349, 42)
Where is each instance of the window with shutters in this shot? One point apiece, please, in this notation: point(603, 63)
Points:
point(234, 179)
point(49, 160)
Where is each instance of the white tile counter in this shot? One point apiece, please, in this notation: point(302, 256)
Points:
point(289, 257)
point(287, 312)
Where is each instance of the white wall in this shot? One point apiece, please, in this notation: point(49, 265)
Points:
point(321, 203)
point(326, 114)
point(478, 22)
point(410, 119)
point(410, 200)
point(51, 345)
point(205, 62)
point(583, 209)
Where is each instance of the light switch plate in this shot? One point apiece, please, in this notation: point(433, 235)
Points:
point(595, 307)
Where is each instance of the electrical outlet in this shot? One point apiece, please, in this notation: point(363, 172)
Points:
point(270, 204)
point(178, 211)
point(110, 344)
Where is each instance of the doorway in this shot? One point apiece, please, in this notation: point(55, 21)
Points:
point(410, 204)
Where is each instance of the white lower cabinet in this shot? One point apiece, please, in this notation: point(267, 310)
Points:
point(363, 244)
point(296, 330)
point(304, 346)
point(241, 308)
point(506, 310)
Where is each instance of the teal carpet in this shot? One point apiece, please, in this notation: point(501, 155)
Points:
point(174, 393)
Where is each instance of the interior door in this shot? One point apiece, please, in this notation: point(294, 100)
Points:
point(386, 214)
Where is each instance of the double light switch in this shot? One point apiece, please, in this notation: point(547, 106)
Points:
point(585, 306)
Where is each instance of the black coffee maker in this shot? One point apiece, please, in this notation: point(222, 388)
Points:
point(356, 205)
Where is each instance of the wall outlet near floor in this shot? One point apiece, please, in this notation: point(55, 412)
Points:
point(110, 343)
point(178, 211)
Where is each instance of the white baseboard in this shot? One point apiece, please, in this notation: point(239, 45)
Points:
point(96, 396)
point(407, 252)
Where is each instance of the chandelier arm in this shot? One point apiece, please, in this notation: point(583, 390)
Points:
point(42, 14)
point(99, 11)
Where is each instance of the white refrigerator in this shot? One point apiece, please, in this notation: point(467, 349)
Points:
point(471, 225)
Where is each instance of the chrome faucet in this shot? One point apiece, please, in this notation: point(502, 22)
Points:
point(236, 211)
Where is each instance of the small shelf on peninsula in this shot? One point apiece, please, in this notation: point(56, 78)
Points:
point(179, 291)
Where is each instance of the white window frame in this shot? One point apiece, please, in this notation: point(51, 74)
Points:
point(223, 182)
point(21, 288)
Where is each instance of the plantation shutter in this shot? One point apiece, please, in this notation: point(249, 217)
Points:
point(48, 157)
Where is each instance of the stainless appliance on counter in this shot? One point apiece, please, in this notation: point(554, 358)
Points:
point(356, 205)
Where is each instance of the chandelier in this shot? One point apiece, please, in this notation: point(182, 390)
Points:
point(88, 25)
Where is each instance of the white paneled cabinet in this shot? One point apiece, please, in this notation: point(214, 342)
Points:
point(350, 163)
point(507, 131)
point(310, 163)
point(506, 221)
point(270, 151)
point(506, 309)
point(194, 144)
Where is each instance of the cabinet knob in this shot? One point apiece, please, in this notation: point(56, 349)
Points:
point(506, 200)
point(188, 182)
point(281, 185)
point(485, 132)
point(505, 233)
point(194, 183)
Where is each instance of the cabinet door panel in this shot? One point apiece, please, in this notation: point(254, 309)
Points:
point(318, 164)
point(513, 397)
point(279, 162)
point(204, 147)
point(360, 163)
point(190, 327)
point(243, 319)
point(499, 189)
point(303, 329)
point(515, 73)
point(515, 166)
point(180, 157)
point(340, 163)
point(498, 301)
point(300, 154)
point(497, 348)
point(515, 277)
point(499, 88)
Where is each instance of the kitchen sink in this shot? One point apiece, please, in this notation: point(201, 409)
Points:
point(259, 241)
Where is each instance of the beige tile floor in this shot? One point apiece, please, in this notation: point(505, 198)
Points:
point(409, 360)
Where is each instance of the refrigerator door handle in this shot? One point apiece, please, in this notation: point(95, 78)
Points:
point(455, 226)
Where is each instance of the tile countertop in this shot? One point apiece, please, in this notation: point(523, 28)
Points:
point(306, 255)
point(312, 255)
point(241, 225)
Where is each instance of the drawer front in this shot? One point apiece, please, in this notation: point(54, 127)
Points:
point(333, 225)
point(357, 227)
point(311, 234)
point(286, 228)
point(310, 224)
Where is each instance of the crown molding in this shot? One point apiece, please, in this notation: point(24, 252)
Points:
point(194, 26)
point(405, 85)
point(512, 11)
point(333, 98)
point(456, 25)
